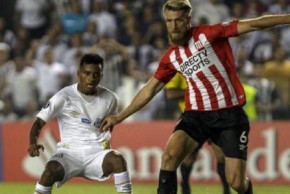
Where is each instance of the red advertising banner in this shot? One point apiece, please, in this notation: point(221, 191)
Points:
point(142, 145)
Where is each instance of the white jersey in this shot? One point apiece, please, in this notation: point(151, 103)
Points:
point(79, 116)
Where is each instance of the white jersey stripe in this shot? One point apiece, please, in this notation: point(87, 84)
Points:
point(192, 93)
point(228, 85)
point(182, 53)
point(192, 96)
point(197, 98)
point(172, 58)
point(192, 46)
point(194, 102)
point(221, 68)
point(203, 90)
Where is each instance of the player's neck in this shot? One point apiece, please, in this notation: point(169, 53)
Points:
point(182, 42)
point(88, 92)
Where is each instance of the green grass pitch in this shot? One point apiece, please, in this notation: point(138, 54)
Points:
point(99, 188)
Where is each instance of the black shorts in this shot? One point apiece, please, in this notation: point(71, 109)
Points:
point(227, 128)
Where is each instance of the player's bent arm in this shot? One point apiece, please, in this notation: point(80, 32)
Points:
point(35, 130)
point(145, 94)
point(263, 22)
point(33, 149)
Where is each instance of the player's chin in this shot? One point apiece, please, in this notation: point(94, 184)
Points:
point(176, 39)
point(90, 91)
point(90, 88)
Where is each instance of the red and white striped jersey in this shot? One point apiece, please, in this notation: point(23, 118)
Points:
point(207, 63)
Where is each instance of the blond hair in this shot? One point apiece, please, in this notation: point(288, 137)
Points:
point(178, 5)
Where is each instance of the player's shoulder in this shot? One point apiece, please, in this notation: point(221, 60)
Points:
point(204, 28)
point(166, 57)
point(68, 89)
point(67, 92)
point(106, 93)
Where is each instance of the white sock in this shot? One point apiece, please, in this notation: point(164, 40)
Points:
point(123, 182)
point(39, 189)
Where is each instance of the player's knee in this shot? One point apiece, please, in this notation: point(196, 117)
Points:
point(119, 163)
point(220, 157)
point(219, 154)
point(53, 172)
point(123, 182)
point(167, 157)
point(236, 182)
point(188, 161)
point(170, 162)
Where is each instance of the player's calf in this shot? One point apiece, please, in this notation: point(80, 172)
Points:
point(185, 169)
point(250, 188)
point(222, 175)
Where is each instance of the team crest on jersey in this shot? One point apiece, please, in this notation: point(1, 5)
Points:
point(198, 45)
point(74, 114)
point(86, 121)
point(98, 123)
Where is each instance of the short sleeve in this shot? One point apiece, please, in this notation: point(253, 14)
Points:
point(165, 71)
point(52, 107)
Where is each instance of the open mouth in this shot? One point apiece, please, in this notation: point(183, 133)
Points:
point(90, 86)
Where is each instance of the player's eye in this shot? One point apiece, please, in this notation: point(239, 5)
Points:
point(86, 73)
point(97, 75)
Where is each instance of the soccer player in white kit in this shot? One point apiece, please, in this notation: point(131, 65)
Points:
point(83, 150)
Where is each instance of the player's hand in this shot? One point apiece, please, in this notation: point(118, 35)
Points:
point(108, 123)
point(33, 149)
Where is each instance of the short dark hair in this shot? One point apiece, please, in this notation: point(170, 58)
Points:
point(92, 58)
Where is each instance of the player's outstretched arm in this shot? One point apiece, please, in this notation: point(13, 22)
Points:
point(263, 22)
point(34, 148)
point(147, 92)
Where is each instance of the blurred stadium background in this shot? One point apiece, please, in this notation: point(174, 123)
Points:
point(40, 46)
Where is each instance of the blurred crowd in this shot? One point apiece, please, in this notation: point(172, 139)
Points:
point(41, 42)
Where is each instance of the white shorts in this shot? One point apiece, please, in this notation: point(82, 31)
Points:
point(82, 161)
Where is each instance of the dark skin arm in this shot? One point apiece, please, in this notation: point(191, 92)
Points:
point(34, 148)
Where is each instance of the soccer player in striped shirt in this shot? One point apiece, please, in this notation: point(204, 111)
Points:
point(214, 96)
point(175, 91)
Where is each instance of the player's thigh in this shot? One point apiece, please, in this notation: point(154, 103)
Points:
point(218, 152)
point(93, 165)
point(114, 162)
point(179, 145)
point(53, 171)
point(192, 156)
point(233, 141)
point(71, 161)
